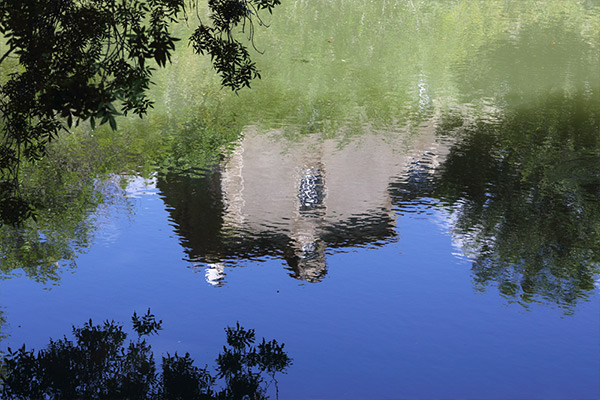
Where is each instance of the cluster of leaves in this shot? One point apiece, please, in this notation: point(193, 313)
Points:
point(98, 365)
point(81, 60)
point(229, 56)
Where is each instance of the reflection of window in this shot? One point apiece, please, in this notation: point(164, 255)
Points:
point(311, 192)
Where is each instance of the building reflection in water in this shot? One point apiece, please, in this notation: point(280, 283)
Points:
point(295, 201)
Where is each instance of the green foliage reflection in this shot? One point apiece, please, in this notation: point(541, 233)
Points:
point(98, 364)
point(525, 194)
point(74, 179)
point(371, 67)
point(65, 195)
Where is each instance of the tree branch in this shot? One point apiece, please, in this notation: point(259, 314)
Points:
point(7, 53)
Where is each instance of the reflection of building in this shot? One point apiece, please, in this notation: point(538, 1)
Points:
point(290, 200)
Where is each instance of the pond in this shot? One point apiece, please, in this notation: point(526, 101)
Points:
point(409, 199)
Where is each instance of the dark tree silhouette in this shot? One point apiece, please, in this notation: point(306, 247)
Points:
point(99, 365)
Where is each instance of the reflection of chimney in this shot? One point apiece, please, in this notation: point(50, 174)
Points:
point(308, 259)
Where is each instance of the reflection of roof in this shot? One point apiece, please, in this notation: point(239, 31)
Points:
point(287, 200)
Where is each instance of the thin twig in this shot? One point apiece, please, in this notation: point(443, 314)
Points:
point(14, 46)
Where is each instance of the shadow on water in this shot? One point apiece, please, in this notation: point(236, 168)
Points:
point(99, 364)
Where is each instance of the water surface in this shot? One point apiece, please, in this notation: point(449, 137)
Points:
point(409, 199)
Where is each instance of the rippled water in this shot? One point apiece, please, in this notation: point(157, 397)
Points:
point(426, 172)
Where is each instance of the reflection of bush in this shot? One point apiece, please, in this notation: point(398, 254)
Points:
point(98, 365)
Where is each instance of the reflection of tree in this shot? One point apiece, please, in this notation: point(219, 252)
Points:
point(98, 365)
point(67, 187)
point(64, 197)
point(2, 322)
point(523, 179)
point(525, 196)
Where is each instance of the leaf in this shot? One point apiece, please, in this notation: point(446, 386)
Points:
point(112, 122)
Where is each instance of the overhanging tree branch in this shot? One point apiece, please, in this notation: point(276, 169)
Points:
point(80, 60)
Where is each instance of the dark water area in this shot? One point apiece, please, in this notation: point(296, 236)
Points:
point(409, 200)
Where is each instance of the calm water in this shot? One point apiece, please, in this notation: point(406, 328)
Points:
point(409, 199)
